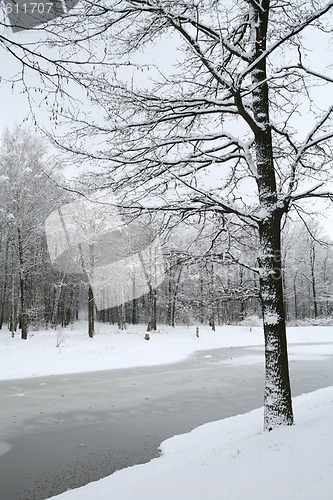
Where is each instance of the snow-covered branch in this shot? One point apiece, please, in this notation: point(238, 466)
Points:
point(291, 33)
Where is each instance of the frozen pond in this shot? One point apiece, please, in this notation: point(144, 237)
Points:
point(61, 432)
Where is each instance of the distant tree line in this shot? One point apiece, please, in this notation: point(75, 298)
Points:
point(204, 283)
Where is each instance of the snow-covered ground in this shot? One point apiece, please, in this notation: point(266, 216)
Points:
point(72, 351)
point(229, 459)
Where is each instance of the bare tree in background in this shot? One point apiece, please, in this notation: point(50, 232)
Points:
point(224, 132)
point(308, 274)
point(26, 197)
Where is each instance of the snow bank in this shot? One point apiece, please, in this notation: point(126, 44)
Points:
point(233, 459)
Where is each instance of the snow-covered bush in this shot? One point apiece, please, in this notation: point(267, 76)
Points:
point(251, 321)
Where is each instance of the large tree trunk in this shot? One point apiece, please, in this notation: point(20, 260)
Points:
point(278, 406)
point(277, 399)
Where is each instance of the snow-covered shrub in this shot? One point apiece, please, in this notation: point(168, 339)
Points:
point(325, 321)
point(251, 321)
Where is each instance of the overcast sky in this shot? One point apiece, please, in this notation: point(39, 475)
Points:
point(15, 108)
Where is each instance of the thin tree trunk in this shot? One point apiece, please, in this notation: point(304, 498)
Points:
point(169, 309)
point(56, 302)
point(295, 299)
point(23, 312)
point(201, 305)
point(134, 311)
point(5, 285)
point(121, 317)
point(12, 320)
point(91, 313)
point(212, 300)
point(242, 302)
point(313, 280)
point(174, 298)
point(152, 322)
point(134, 306)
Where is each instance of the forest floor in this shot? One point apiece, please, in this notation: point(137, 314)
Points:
point(226, 460)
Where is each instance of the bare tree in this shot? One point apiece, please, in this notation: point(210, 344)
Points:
point(229, 112)
point(308, 273)
point(25, 201)
point(221, 134)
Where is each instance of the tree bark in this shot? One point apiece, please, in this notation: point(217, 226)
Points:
point(278, 405)
point(295, 298)
point(277, 398)
point(13, 316)
point(152, 322)
point(212, 299)
point(4, 285)
point(121, 312)
point(313, 279)
point(23, 312)
point(91, 313)
point(174, 298)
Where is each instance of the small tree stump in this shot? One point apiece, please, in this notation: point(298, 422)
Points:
point(147, 336)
